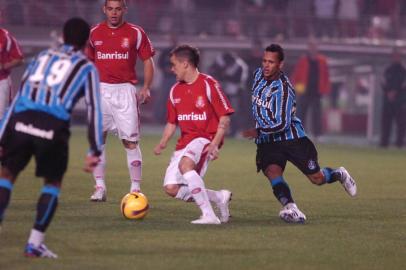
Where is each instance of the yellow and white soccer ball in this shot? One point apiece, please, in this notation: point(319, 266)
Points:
point(134, 205)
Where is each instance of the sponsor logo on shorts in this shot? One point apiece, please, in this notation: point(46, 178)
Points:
point(311, 164)
point(191, 152)
point(136, 163)
point(36, 132)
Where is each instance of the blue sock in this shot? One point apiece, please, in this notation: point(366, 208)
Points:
point(329, 175)
point(281, 190)
point(5, 193)
point(47, 203)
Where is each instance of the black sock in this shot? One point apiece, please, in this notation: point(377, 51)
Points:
point(47, 203)
point(281, 190)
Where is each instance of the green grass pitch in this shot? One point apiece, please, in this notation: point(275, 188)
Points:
point(366, 232)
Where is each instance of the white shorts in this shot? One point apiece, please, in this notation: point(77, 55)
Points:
point(194, 151)
point(120, 110)
point(5, 95)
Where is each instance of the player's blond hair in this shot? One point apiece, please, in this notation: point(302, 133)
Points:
point(122, 1)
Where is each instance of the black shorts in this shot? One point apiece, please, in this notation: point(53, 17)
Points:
point(37, 134)
point(301, 152)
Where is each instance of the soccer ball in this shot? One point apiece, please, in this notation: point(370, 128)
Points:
point(134, 205)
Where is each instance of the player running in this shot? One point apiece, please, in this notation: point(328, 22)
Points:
point(198, 106)
point(280, 136)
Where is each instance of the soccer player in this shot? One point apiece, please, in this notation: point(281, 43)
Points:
point(37, 124)
point(280, 136)
point(10, 57)
point(199, 107)
point(114, 47)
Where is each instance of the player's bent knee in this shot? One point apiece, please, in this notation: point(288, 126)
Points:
point(171, 190)
point(317, 179)
point(129, 144)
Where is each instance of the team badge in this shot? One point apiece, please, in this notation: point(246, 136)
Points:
point(200, 102)
point(311, 164)
point(125, 43)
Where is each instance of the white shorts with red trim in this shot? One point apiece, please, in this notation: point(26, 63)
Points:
point(193, 151)
point(5, 95)
point(120, 110)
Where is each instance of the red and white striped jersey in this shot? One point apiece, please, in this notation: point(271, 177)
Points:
point(115, 50)
point(196, 108)
point(9, 50)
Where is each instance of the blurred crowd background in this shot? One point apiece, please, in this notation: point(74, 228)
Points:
point(359, 40)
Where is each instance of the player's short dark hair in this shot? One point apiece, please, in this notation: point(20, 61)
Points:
point(122, 1)
point(76, 32)
point(187, 52)
point(276, 48)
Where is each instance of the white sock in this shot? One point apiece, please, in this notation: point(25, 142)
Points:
point(196, 187)
point(99, 170)
point(214, 196)
point(36, 237)
point(134, 163)
point(184, 193)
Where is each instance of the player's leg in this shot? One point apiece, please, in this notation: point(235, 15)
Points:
point(196, 186)
point(305, 157)
point(125, 112)
point(46, 207)
point(100, 190)
point(221, 198)
point(7, 180)
point(271, 159)
point(134, 164)
point(52, 161)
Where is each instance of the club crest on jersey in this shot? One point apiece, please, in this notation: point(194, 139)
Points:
point(125, 43)
point(98, 43)
point(200, 102)
point(311, 164)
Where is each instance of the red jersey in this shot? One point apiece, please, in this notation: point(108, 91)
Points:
point(114, 51)
point(9, 50)
point(196, 108)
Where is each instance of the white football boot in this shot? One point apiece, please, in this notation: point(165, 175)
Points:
point(224, 204)
point(291, 214)
point(99, 195)
point(347, 181)
point(207, 220)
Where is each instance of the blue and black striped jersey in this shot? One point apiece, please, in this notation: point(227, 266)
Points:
point(274, 109)
point(54, 82)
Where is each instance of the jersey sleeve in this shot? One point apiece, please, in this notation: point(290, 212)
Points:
point(90, 51)
point(144, 45)
point(218, 99)
point(94, 116)
point(171, 116)
point(14, 49)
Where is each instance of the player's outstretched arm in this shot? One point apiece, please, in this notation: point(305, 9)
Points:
point(166, 136)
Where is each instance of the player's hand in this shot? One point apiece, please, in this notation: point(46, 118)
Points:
point(158, 148)
point(251, 133)
point(212, 151)
point(90, 163)
point(144, 96)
